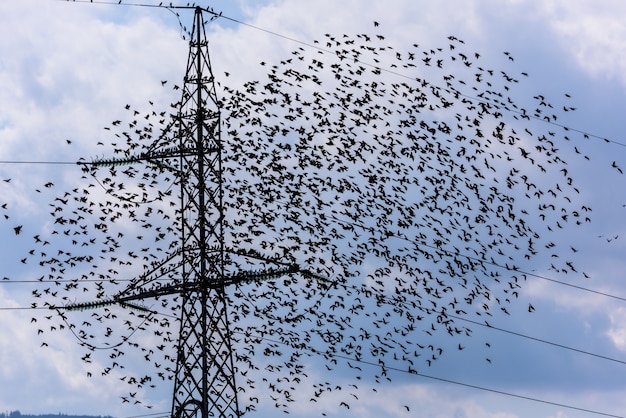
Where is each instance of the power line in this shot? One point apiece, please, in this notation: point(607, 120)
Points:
point(121, 3)
point(486, 325)
point(445, 380)
point(450, 315)
point(319, 48)
point(585, 133)
point(514, 395)
point(396, 73)
point(456, 317)
point(396, 302)
point(423, 243)
point(51, 281)
point(436, 377)
point(489, 326)
point(38, 162)
point(482, 260)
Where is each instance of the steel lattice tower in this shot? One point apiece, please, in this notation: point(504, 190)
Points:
point(204, 378)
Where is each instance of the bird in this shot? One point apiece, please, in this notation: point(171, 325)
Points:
point(614, 165)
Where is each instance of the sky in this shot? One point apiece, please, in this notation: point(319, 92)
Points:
point(68, 69)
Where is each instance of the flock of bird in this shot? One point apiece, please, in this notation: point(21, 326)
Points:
point(410, 182)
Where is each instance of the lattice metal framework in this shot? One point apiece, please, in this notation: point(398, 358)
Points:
point(205, 375)
point(204, 380)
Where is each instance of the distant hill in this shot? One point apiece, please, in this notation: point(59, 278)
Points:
point(18, 414)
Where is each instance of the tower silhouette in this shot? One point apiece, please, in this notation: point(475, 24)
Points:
point(204, 377)
point(202, 267)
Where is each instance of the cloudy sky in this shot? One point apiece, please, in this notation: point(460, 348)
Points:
point(68, 69)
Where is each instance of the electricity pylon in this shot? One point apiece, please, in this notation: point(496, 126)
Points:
point(204, 380)
point(205, 374)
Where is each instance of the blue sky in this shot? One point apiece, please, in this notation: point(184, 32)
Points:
point(68, 69)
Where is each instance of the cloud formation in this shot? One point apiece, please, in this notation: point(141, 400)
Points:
point(68, 70)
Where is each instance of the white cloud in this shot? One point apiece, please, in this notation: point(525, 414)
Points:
point(617, 332)
point(559, 414)
point(593, 33)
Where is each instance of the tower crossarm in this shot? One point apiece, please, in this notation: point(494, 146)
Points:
point(250, 276)
point(151, 157)
point(243, 277)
